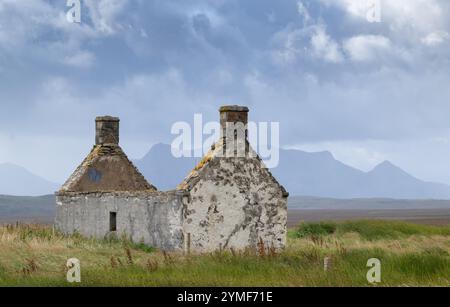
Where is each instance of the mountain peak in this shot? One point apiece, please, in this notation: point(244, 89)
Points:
point(385, 165)
point(325, 154)
point(387, 168)
point(307, 173)
point(17, 180)
point(11, 166)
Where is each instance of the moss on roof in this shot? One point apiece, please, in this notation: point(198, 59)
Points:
point(194, 176)
point(106, 169)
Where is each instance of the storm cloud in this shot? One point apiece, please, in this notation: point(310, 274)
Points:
point(367, 91)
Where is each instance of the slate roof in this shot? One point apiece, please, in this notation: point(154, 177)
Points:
point(106, 169)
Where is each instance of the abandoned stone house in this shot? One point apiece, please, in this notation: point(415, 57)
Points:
point(227, 201)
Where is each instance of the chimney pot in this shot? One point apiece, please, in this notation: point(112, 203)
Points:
point(107, 130)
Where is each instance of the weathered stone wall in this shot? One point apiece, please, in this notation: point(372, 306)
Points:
point(235, 203)
point(223, 203)
point(150, 217)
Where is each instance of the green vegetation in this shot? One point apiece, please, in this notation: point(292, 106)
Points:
point(369, 230)
point(410, 255)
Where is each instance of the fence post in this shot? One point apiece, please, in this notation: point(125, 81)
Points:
point(327, 264)
point(188, 243)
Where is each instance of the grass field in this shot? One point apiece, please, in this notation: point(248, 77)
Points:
point(411, 255)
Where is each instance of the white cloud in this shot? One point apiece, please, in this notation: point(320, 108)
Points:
point(383, 97)
point(408, 20)
point(288, 51)
point(358, 8)
point(420, 16)
point(43, 27)
point(303, 12)
point(308, 40)
point(367, 47)
point(104, 13)
point(18, 18)
point(435, 38)
point(325, 47)
point(303, 43)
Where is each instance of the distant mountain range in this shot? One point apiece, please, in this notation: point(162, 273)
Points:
point(27, 208)
point(16, 180)
point(162, 169)
point(303, 173)
point(328, 184)
point(320, 174)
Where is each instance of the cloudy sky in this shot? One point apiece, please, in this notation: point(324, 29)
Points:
point(366, 91)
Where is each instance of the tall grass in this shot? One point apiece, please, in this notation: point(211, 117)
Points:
point(36, 256)
point(369, 230)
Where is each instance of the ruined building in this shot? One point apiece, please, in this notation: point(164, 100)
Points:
point(229, 200)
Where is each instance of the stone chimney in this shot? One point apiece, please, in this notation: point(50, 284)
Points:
point(233, 114)
point(107, 130)
point(234, 130)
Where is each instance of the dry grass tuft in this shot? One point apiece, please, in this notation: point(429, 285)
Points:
point(36, 255)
